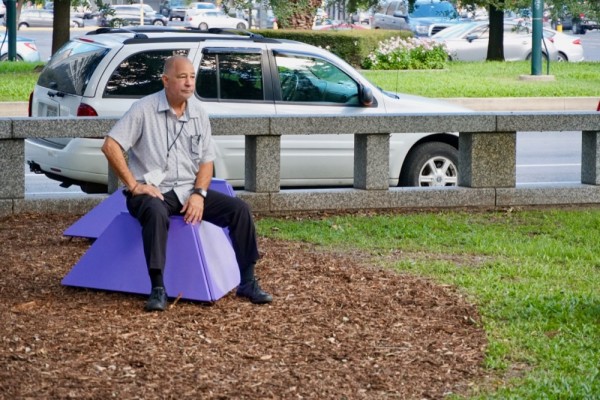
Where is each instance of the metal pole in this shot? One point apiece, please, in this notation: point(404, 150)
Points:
point(537, 25)
point(11, 28)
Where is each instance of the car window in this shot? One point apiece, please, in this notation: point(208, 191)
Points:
point(70, 69)
point(140, 74)
point(311, 79)
point(391, 8)
point(230, 76)
point(442, 9)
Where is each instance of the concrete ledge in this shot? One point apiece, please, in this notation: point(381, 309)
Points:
point(556, 195)
point(355, 199)
point(527, 103)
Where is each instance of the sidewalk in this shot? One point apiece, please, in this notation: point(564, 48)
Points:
point(19, 109)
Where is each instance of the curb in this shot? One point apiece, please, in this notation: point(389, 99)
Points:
point(19, 109)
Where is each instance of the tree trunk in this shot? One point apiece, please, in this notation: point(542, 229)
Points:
point(61, 24)
point(496, 40)
point(297, 14)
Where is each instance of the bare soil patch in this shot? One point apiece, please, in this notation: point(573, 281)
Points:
point(337, 329)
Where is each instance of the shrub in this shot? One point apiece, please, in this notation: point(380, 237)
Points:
point(408, 53)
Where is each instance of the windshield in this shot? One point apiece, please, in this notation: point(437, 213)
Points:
point(70, 68)
point(455, 31)
point(427, 10)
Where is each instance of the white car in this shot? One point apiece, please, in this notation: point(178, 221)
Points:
point(197, 7)
point(26, 49)
point(469, 42)
point(568, 46)
point(206, 20)
point(104, 72)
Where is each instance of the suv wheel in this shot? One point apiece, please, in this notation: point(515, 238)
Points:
point(430, 164)
point(203, 26)
point(158, 22)
point(241, 26)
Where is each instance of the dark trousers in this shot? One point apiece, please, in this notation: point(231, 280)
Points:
point(219, 209)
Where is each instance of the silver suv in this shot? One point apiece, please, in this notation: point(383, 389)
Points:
point(104, 72)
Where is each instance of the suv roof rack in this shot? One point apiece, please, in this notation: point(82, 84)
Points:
point(152, 29)
point(139, 32)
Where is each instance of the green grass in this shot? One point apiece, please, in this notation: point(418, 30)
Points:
point(492, 79)
point(535, 276)
point(461, 79)
point(17, 80)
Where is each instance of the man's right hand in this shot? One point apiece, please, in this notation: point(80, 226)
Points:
point(150, 190)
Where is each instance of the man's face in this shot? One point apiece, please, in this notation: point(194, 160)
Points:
point(180, 80)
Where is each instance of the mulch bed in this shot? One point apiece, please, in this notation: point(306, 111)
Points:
point(338, 328)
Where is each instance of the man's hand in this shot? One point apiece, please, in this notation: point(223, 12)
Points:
point(150, 190)
point(193, 209)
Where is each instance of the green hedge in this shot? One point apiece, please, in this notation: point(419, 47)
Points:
point(350, 45)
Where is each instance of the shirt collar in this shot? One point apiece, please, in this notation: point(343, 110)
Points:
point(163, 106)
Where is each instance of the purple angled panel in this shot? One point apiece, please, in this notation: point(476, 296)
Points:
point(201, 264)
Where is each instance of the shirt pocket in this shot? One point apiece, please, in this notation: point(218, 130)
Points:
point(196, 146)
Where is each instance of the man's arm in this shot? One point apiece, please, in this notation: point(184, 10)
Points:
point(114, 154)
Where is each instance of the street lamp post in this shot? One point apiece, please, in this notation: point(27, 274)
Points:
point(11, 28)
point(537, 27)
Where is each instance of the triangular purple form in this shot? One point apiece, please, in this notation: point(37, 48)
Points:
point(92, 224)
point(201, 263)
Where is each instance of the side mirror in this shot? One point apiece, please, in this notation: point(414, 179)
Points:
point(470, 38)
point(366, 96)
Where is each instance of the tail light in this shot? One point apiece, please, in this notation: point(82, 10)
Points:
point(598, 109)
point(577, 41)
point(85, 110)
point(31, 45)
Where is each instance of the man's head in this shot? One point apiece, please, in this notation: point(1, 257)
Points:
point(179, 79)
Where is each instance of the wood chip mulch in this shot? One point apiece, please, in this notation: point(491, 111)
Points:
point(338, 328)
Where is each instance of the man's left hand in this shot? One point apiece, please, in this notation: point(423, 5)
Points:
point(193, 209)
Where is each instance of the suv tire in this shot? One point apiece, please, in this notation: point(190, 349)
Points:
point(417, 168)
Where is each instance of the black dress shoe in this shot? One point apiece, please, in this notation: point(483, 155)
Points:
point(252, 291)
point(157, 300)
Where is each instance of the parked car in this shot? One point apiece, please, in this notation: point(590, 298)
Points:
point(132, 15)
point(173, 9)
point(469, 42)
point(34, 18)
point(199, 6)
point(102, 73)
point(205, 20)
point(2, 9)
point(426, 18)
point(579, 24)
point(26, 49)
point(568, 46)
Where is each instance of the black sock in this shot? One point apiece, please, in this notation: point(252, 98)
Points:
point(156, 278)
point(247, 274)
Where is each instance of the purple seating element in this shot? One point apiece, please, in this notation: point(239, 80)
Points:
point(201, 263)
point(92, 224)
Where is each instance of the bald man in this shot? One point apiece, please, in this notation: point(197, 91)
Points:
point(171, 152)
